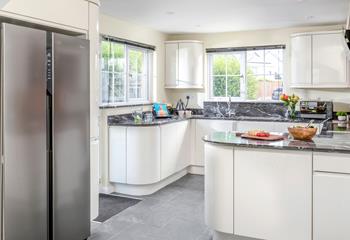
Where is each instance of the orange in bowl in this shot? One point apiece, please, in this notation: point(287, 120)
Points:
point(302, 133)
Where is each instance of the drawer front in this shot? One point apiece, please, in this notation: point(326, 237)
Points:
point(332, 162)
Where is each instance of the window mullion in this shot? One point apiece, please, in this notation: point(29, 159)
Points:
point(126, 81)
point(226, 83)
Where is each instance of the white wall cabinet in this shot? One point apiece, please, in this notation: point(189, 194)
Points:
point(63, 12)
point(319, 60)
point(175, 147)
point(143, 155)
point(205, 127)
point(301, 66)
point(329, 60)
point(184, 64)
point(272, 194)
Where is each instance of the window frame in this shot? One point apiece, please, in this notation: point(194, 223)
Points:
point(148, 60)
point(243, 85)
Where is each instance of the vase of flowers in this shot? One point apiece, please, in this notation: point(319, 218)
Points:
point(290, 102)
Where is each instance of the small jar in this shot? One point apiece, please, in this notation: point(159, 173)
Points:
point(148, 117)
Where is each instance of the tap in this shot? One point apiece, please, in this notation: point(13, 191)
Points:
point(229, 111)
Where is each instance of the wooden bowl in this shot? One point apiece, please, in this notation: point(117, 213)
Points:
point(301, 133)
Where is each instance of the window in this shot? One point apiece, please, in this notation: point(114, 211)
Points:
point(126, 71)
point(246, 74)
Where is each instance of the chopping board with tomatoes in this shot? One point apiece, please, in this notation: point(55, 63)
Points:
point(262, 135)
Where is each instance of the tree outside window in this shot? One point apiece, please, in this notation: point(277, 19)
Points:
point(125, 73)
point(247, 75)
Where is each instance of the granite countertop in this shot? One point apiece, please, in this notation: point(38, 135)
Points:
point(326, 142)
point(127, 120)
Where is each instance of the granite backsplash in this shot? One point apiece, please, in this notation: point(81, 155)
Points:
point(246, 109)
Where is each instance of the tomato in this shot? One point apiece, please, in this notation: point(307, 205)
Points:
point(262, 134)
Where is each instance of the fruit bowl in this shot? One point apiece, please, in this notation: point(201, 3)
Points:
point(302, 133)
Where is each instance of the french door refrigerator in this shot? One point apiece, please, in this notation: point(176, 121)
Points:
point(45, 165)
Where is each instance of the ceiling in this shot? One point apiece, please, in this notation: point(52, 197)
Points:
point(205, 16)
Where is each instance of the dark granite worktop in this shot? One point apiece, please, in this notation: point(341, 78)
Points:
point(326, 142)
point(127, 120)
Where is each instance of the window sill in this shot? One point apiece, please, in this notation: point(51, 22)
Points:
point(243, 101)
point(128, 104)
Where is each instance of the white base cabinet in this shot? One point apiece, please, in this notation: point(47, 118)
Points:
point(175, 147)
point(117, 154)
point(331, 201)
point(143, 155)
point(219, 187)
point(331, 206)
point(205, 127)
point(272, 194)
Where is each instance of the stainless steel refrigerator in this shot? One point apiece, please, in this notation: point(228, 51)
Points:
point(45, 165)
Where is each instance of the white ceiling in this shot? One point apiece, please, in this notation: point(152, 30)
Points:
point(191, 16)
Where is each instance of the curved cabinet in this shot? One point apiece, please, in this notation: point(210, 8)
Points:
point(175, 147)
point(219, 187)
point(143, 155)
point(184, 63)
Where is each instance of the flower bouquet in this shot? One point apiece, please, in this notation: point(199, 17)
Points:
point(290, 102)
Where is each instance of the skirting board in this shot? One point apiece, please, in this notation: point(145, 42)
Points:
point(140, 190)
point(224, 236)
point(198, 170)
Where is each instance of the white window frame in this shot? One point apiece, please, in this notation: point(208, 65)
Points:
point(148, 85)
point(242, 77)
point(243, 82)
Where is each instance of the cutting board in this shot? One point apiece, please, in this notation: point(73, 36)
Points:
point(272, 137)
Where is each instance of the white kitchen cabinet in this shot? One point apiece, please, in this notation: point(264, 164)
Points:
point(244, 126)
point(272, 194)
point(205, 127)
point(175, 147)
point(319, 60)
point(219, 187)
point(184, 64)
point(75, 13)
point(301, 60)
point(331, 206)
point(329, 60)
point(117, 154)
point(94, 176)
point(171, 64)
point(143, 155)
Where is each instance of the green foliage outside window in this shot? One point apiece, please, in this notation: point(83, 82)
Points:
point(223, 63)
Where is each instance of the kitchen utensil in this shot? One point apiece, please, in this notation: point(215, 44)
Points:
point(309, 124)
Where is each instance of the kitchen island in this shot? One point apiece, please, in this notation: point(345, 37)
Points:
point(282, 190)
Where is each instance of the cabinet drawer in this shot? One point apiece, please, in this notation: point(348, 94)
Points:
point(332, 162)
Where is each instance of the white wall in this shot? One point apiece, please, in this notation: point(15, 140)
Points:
point(256, 38)
point(117, 28)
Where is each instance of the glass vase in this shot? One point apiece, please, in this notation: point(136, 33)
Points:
point(291, 112)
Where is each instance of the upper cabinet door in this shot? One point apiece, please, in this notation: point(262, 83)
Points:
point(184, 64)
point(171, 64)
point(329, 60)
point(191, 64)
point(301, 61)
point(64, 12)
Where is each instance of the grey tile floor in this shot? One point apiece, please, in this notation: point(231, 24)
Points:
point(175, 212)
